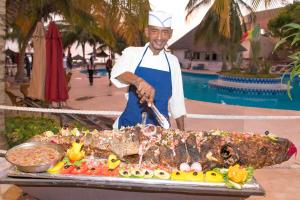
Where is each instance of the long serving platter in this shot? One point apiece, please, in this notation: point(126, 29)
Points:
point(13, 172)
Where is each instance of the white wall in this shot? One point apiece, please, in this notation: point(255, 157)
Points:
point(209, 65)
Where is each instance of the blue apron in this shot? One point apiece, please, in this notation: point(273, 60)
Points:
point(161, 81)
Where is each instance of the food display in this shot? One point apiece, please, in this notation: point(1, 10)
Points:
point(150, 152)
point(174, 148)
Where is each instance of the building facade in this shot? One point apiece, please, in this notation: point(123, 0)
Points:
point(197, 55)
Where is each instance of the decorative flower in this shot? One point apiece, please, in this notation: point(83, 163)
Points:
point(237, 173)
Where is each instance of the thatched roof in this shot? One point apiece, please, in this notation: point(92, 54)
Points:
point(77, 57)
point(188, 42)
point(101, 54)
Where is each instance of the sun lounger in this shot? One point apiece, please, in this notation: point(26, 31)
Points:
point(198, 67)
point(15, 100)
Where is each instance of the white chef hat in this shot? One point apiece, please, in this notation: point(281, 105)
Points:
point(160, 19)
point(159, 15)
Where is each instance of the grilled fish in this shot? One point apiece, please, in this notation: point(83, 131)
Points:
point(172, 147)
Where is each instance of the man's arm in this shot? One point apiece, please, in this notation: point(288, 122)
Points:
point(180, 122)
point(144, 90)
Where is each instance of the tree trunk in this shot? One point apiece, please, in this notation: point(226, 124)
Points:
point(20, 65)
point(94, 49)
point(3, 144)
point(255, 52)
point(83, 49)
point(224, 61)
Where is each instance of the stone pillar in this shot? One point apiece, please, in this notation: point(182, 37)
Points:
point(2, 70)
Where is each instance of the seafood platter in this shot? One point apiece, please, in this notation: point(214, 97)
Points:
point(150, 155)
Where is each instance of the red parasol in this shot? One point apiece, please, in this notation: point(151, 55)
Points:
point(56, 84)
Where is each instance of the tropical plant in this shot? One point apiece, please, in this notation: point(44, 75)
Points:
point(223, 23)
point(76, 34)
point(23, 16)
point(289, 14)
point(292, 31)
point(125, 20)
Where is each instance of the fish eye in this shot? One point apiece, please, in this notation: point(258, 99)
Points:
point(230, 154)
point(225, 153)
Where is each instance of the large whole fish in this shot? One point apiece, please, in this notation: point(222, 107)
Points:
point(153, 145)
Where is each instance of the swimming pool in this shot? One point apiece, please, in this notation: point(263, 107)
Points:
point(196, 88)
point(98, 72)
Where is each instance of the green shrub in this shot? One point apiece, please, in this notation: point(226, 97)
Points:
point(19, 129)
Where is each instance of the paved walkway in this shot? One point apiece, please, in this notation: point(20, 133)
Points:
point(280, 182)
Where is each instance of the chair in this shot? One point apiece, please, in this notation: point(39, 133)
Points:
point(24, 89)
point(198, 67)
point(15, 100)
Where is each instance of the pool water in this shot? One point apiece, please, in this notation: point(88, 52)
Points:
point(196, 88)
point(97, 73)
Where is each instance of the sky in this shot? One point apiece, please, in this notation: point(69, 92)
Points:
point(180, 25)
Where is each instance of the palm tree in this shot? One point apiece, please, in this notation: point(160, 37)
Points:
point(75, 34)
point(23, 16)
point(223, 23)
point(125, 20)
point(3, 143)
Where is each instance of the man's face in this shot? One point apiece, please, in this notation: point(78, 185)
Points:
point(158, 37)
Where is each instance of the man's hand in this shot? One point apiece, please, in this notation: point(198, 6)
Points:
point(144, 91)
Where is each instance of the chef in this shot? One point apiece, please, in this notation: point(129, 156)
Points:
point(153, 76)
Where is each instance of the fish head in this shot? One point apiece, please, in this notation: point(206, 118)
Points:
point(291, 151)
point(230, 154)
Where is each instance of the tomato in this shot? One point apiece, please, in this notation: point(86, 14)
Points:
point(114, 172)
point(93, 171)
point(102, 169)
point(109, 172)
point(66, 169)
point(80, 169)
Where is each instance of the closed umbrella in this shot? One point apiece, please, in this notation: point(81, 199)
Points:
point(36, 88)
point(56, 84)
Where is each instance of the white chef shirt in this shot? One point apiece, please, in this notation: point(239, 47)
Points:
point(131, 57)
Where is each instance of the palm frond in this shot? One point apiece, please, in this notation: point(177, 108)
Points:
point(193, 5)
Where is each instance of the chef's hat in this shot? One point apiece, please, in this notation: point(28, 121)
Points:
point(159, 15)
point(159, 18)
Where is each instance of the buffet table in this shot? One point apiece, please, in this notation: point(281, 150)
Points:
point(46, 186)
